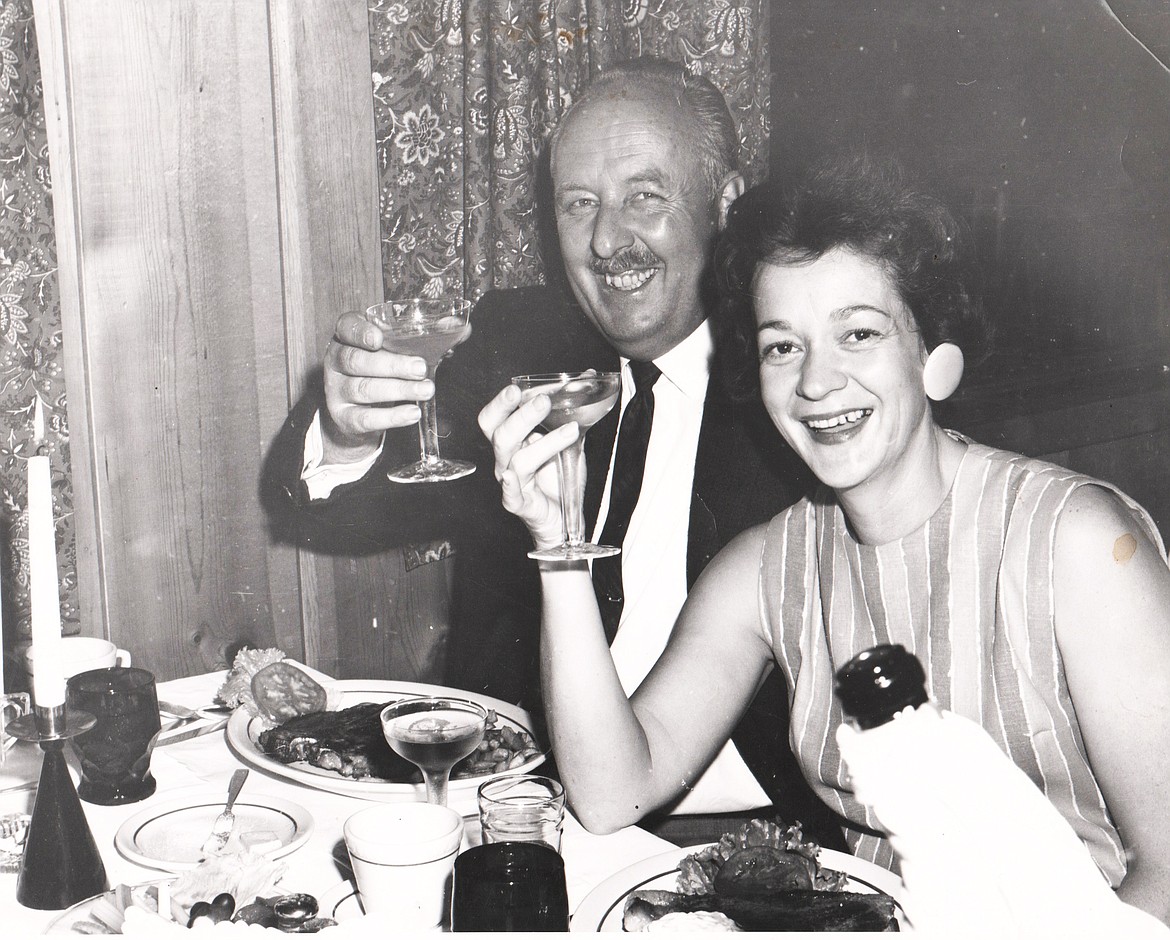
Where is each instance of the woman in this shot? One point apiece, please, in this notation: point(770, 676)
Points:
point(1037, 598)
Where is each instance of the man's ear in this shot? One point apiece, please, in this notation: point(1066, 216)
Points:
point(731, 190)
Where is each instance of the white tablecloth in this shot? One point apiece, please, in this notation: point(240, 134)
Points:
point(208, 762)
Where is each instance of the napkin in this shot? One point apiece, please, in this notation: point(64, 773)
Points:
point(982, 850)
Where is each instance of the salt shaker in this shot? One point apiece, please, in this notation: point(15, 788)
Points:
point(982, 851)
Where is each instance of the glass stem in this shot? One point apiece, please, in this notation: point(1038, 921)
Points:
point(572, 515)
point(428, 427)
point(437, 787)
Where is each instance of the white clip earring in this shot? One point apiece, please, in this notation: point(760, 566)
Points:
point(942, 371)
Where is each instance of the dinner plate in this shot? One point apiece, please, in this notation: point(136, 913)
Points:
point(90, 917)
point(601, 910)
point(243, 730)
point(102, 912)
point(169, 835)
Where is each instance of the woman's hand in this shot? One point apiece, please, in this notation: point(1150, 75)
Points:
point(525, 461)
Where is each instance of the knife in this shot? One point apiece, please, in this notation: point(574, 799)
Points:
point(193, 733)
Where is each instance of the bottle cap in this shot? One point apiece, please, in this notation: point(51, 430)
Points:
point(878, 683)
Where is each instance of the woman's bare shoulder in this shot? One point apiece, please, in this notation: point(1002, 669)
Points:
point(1096, 521)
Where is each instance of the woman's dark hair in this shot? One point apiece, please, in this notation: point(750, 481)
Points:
point(868, 207)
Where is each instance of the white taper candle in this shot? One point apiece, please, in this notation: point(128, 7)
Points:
point(48, 677)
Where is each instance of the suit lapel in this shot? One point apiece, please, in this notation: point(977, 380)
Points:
point(598, 451)
point(710, 469)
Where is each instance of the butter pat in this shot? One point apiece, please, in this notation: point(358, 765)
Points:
point(260, 841)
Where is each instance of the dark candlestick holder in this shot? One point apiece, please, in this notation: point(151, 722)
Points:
point(61, 864)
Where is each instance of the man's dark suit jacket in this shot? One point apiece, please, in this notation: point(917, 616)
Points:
point(744, 474)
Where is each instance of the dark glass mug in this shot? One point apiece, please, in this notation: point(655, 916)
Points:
point(509, 886)
point(115, 753)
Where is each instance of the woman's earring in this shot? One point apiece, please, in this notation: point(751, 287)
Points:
point(943, 371)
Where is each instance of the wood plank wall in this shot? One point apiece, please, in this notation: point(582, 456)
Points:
point(216, 203)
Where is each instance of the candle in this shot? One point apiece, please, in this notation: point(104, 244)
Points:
point(48, 679)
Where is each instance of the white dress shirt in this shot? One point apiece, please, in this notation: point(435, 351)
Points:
point(322, 478)
point(654, 552)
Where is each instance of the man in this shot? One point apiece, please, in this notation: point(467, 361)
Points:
point(643, 171)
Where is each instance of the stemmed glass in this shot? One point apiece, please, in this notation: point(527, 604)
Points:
point(584, 397)
point(434, 733)
point(429, 328)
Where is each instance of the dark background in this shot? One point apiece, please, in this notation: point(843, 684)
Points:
point(1046, 125)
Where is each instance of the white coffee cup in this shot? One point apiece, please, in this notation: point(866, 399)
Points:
point(83, 653)
point(403, 855)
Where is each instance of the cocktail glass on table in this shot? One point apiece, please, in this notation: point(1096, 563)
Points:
point(434, 733)
point(429, 328)
point(584, 397)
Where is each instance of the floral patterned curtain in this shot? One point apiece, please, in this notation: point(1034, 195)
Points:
point(30, 326)
point(466, 92)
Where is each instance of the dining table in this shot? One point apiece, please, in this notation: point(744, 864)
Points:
point(204, 764)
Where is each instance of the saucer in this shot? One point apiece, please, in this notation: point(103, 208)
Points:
point(343, 903)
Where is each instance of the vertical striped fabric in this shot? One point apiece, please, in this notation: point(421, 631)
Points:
point(970, 593)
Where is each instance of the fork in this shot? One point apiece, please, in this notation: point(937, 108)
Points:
point(221, 828)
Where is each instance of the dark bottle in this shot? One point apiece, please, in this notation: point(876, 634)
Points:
point(878, 683)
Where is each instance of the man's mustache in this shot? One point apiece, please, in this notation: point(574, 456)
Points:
point(628, 259)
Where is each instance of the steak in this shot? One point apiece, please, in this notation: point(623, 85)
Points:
point(349, 742)
point(820, 911)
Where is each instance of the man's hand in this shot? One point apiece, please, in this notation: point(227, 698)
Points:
point(368, 390)
point(524, 461)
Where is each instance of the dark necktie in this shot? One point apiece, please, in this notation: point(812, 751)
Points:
point(628, 467)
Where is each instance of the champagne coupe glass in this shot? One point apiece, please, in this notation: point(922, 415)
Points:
point(429, 328)
point(434, 732)
point(584, 397)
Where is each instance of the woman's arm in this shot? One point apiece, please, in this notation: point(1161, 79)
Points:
point(1113, 628)
point(620, 759)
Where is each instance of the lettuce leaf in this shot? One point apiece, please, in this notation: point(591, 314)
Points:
point(237, 687)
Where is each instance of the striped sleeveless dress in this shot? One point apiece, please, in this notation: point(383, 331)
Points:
point(970, 593)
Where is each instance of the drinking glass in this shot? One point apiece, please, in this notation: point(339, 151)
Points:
point(584, 397)
point(509, 886)
point(13, 704)
point(429, 328)
point(402, 856)
point(115, 753)
point(434, 732)
point(522, 808)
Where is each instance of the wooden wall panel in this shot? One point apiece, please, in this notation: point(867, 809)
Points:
point(369, 615)
point(328, 191)
point(177, 274)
